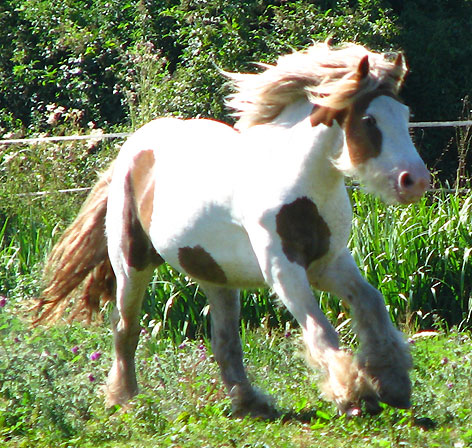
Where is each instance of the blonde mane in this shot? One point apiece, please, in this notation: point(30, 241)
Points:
point(322, 74)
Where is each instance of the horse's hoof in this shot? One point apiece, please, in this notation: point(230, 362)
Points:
point(247, 401)
point(372, 405)
point(396, 394)
point(396, 402)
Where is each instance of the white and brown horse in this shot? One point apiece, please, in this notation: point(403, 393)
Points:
point(263, 203)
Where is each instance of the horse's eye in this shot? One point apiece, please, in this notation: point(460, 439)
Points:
point(369, 120)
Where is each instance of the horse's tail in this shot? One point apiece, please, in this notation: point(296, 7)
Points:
point(78, 276)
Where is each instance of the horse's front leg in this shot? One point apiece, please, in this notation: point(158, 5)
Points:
point(345, 383)
point(384, 354)
point(226, 346)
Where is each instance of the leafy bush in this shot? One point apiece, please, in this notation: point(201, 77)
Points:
point(94, 55)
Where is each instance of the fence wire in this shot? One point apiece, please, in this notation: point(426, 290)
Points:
point(35, 140)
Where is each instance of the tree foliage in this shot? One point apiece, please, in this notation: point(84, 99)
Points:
point(125, 61)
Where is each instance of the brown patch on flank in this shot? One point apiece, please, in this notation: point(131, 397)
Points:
point(363, 137)
point(198, 263)
point(142, 179)
point(325, 115)
point(139, 192)
point(304, 233)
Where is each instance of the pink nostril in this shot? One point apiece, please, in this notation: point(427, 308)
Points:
point(405, 181)
point(412, 186)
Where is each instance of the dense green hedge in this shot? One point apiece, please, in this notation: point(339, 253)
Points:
point(122, 61)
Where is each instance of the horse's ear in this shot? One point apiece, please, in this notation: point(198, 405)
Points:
point(326, 116)
point(399, 60)
point(363, 68)
point(329, 42)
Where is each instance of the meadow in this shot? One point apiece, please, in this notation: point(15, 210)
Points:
point(50, 394)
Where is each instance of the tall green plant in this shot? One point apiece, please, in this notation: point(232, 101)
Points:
point(418, 256)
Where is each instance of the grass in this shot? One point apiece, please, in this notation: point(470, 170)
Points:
point(418, 256)
point(50, 394)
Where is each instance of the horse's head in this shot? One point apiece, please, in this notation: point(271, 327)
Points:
point(377, 146)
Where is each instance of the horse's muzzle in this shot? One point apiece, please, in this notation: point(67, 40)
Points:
point(412, 184)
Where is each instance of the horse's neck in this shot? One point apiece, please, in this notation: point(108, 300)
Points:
point(314, 148)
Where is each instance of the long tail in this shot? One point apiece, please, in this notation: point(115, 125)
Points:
point(78, 276)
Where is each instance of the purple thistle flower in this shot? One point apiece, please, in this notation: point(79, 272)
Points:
point(91, 378)
point(74, 349)
point(181, 346)
point(3, 301)
point(95, 355)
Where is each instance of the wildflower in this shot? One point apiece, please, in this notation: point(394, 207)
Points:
point(201, 347)
point(450, 385)
point(288, 334)
point(91, 378)
point(74, 349)
point(181, 346)
point(94, 356)
point(444, 361)
point(3, 301)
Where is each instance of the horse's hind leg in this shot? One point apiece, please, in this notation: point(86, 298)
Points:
point(226, 346)
point(131, 285)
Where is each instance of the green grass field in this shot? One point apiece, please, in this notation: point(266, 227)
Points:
point(50, 394)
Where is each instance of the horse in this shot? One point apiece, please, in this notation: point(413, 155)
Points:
point(259, 204)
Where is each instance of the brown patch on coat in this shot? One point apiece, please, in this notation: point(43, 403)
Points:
point(139, 194)
point(363, 137)
point(198, 263)
point(142, 179)
point(303, 231)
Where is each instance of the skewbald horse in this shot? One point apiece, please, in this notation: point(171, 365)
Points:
point(261, 204)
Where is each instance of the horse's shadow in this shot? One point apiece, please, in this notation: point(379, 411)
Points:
point(311, 415)
point(304, 416)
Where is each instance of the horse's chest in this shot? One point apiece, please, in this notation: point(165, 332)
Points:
point(304, 233)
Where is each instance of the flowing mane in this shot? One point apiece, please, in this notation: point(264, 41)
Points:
point(322, 74)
